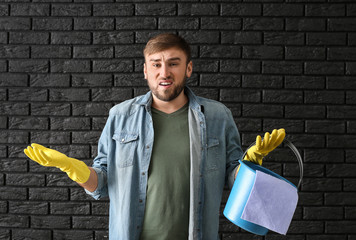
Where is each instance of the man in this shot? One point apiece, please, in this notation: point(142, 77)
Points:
point(164, 157)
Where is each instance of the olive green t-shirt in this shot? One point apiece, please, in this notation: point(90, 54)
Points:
point(167, 204)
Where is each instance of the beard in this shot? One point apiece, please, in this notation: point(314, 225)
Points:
point(169, 94)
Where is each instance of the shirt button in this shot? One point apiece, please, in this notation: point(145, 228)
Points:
point(143, 173)
point(138, 227)
point(140, 200)
point(148, 146)
point(123, 140)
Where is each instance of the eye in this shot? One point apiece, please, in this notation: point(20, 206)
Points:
point(173, 64)
point(156, 65)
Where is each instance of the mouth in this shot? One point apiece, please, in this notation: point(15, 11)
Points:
point(165, 83)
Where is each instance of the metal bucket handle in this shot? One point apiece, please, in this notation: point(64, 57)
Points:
point(295, 151)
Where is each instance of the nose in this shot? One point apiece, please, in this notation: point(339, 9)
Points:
point(164, 71)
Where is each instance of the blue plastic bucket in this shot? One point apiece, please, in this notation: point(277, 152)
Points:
point(241, 190)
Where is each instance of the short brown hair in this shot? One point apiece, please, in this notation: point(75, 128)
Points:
point(165, 41)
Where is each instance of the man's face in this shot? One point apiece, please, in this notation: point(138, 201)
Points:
point(166, 73)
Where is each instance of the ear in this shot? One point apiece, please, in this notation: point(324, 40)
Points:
point(189, 69)
point(145, 70)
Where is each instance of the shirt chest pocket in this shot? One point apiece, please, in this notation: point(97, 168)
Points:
point(212, 152)
point(126, 145)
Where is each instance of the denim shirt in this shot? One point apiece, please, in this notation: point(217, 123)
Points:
point(124, 153)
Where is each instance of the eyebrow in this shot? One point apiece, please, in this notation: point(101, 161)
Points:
point(170, 59)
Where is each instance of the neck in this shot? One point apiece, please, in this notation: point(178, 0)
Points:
point(170, 106)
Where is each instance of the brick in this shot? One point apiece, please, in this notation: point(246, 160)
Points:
point(70, 37)
point(306, 227)
point(70, 66)
point(328, 97)
point(342, 53)
point(13, 193)
point(114, 37)
point(4, 10)
point(49, 80)
point(28, 207)
point(3, 66)
point(91, 222)
point(299, 53)
point(93, 52)
point(248, 124)
point(114, 65)
point(261, 81)
point(336, 141)
point(217, 23)
point(198, 9)
point(239, 95)
point(31, 234)
point(12, 136)
point(78, 194)
point(340, 198)
point(32, 38)
point(240, 66)
point(16, 151)
point(310, 170)
point(325, 10)
point(304, 82)
point(74, 10)
point(91, 80)
point(262, 110)
point(328, 236)
point(350, 97)
point(20, 179)
point(94, 23)
point(350, 68)
point(350, 155)
point(304, 140)
point(98, 123)
point(351, 9)
point(91, 109)
point(350, 212)
point(155, 9)
point(48, 194)
point(3, 94)
point(9, 108)
point(116, 9)
point(220, 80)
point(324, 126)
point(341, 112)
point(100, 208)
point(3, 207)
point(241, 37)
point(52, 24)
point(129, 80)
point(262, 52)
point(202, 37)
point(351, 39)
point(282, 96)
point(126, 51)
point(3, 37)
point(72, 123)
point(310, 198)
point(73, 234)
point(85, 137)
point(136, 23)
point(342, 24)
point(203, 65)
point(178, 23)
point(325, 38)
point(14, 52)
point(305, 24)
point(340, 170)
point(28, 123)
point(324, 68)
point(322, 213)
point(69, 94)
point(284, 9)
point(50, 109)
point(29, 10)
point(13, 165)
point(70, 208)
point(30, 66)
point(59, 180)
point(239, 9)
point(14, 221)
point(50, 222)
point(51, 52)
point(351, 126)
point(349, 185)
point(3, 122)
point(263, 24)
point(207, 93)
point(15, 23)
point(112, 94)
point(321, 184)
point(289, 125)
point(340, 227)
point(284, 38)
point(282, 67)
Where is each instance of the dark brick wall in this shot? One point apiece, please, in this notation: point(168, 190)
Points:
point(275, 64)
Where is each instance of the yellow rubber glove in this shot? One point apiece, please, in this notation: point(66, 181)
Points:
point(258, 151)
point(77, 170)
